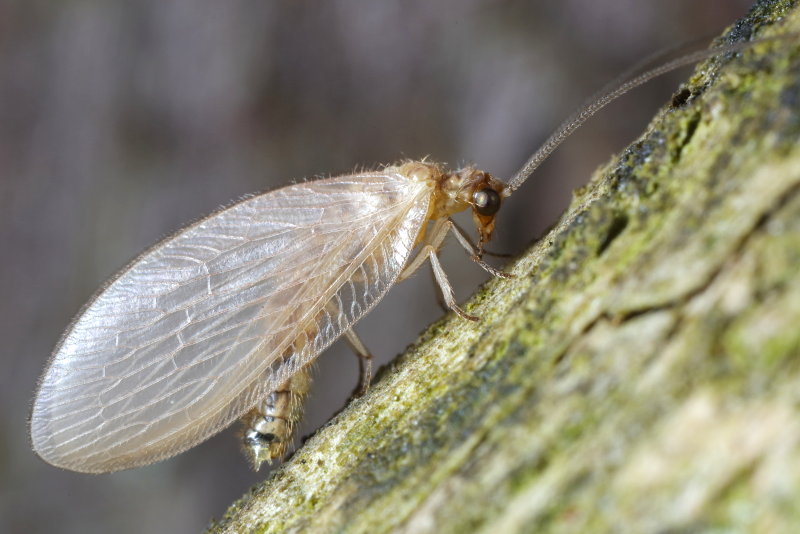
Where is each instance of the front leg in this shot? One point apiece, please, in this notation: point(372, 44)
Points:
point(474, 254)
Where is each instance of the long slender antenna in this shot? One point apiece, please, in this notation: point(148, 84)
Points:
point(613, 91)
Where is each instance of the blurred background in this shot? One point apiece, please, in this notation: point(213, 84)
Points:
point(122, 121)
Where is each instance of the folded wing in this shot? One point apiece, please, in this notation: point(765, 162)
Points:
point(200, 327)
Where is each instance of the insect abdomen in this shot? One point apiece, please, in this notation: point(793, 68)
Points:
point(270, 425)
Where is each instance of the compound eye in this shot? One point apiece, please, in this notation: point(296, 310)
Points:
point(486, 201)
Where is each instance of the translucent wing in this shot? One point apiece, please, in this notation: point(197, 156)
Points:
point(200, 327)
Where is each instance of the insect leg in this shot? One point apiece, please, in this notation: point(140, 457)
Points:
point(439, 298)
point(432, 242)
point(470, 248)
point(361, 350)
point(428, 252)
point(435, 239)
point(447, 289)
point(473, 248)
point(364, 362)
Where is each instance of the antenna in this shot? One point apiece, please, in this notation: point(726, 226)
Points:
point(615, 90)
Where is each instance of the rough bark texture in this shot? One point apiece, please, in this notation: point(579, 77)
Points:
point(640, 374)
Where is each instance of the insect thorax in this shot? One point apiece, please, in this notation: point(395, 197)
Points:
point(456, 191)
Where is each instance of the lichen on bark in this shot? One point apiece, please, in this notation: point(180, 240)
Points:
point(641, 372)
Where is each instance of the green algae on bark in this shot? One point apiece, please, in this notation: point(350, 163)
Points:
point(640, 373)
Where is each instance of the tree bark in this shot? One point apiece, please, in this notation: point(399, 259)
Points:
point(641, 372)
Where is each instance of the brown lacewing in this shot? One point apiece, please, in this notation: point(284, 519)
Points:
point(221, 320)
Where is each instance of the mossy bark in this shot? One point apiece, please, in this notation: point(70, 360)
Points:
point(641, 373)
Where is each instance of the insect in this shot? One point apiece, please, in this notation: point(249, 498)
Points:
point(221, 320)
